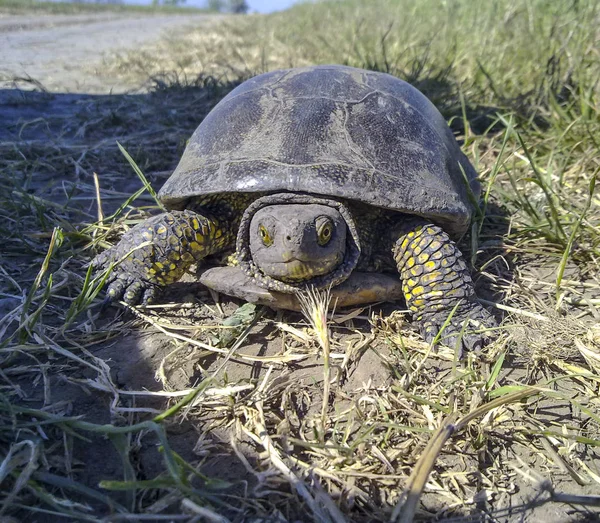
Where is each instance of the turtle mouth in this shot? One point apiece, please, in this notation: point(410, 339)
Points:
point(295, 270)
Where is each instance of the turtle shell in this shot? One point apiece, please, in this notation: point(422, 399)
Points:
point(330, 130)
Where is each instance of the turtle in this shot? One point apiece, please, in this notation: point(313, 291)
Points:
point(316, 177)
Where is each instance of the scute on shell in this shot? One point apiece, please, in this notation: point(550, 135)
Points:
point(333, 131)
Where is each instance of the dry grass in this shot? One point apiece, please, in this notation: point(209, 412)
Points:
point(345, 417)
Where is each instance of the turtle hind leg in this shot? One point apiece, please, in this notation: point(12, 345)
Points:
point(159, 251)
point(436, 284)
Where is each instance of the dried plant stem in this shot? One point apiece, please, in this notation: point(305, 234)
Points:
point(406, 507)
point(315, 305)
point(98, 200)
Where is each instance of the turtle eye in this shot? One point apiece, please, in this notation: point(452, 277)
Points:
point(324, 230)
point(265, 236)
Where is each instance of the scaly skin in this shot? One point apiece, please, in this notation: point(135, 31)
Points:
point(159, 251)
point(435, 280)
point(336, 276)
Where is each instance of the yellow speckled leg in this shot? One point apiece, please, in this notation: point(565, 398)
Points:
point(435, 280)
point(158, 251)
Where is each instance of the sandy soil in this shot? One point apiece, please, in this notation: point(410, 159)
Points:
point(61, 51)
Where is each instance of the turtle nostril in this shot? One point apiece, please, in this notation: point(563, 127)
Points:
point(288, 238)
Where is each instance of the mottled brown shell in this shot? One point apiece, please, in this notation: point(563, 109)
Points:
point(330, 130)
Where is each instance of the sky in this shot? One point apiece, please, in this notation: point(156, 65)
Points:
point(267, 6)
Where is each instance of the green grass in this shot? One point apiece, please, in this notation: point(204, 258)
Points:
point(35, 6)
point(518, 82)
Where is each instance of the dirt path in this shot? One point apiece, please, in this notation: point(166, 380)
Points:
point(60, 51)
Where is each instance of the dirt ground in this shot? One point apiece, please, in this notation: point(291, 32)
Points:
point(62, 52)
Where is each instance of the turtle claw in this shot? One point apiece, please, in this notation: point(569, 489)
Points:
point(122, 284)
point(116, 289)
point(467, 330)
point(132, 291)
point(125, 281)
point(149, 295)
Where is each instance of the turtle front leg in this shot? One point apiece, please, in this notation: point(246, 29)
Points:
point(157, 252)
point(435, 281)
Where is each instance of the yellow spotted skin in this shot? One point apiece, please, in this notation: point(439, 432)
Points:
point(160, 250)
point(435, 279)
point(431, 266)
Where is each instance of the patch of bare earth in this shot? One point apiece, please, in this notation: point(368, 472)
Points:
point(65, 53)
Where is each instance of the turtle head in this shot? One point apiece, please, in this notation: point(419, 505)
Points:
point(293, 242)
point(290, 242)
